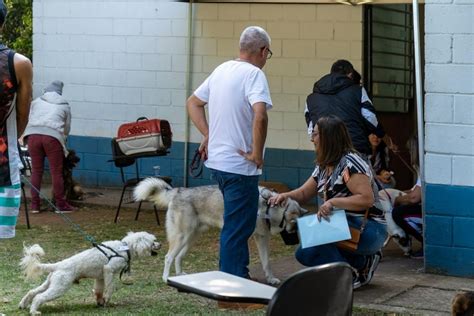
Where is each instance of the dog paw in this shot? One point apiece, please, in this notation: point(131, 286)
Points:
point(273, 281)
point(101, 302)
point(35, 313)
point(23, 304)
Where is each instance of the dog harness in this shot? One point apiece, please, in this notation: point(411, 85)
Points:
point(115, 254)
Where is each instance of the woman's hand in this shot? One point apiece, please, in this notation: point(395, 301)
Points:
point(279, 199)
point(325, 210)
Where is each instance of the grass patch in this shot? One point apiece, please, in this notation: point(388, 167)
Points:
point(148, 295)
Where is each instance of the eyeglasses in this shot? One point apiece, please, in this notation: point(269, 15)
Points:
point(270, 53)
point(313, 134)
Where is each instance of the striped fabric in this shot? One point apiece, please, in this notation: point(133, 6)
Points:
point(10, 198)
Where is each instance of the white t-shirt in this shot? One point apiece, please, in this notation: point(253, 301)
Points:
point(230, 91)
point(417, 184)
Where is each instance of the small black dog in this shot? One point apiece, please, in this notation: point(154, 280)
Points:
point(72, 189)
point(463, 304)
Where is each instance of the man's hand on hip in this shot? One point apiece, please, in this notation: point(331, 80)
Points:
point(251, 156)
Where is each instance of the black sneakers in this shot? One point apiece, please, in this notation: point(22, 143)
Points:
point(367, 272)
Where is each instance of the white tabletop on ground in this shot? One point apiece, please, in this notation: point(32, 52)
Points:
point(223, 286)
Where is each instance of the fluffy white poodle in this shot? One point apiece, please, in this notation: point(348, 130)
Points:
point(101, 263)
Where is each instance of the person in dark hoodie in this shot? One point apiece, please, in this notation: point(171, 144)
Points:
point(340, 93)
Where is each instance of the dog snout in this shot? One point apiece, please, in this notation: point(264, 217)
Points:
point(154, 248)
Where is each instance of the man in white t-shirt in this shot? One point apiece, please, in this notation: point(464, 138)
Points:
point(238, 98)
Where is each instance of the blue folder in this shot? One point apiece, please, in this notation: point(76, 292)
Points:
point(313, 232)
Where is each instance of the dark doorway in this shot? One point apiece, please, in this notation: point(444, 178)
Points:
point(390, 79)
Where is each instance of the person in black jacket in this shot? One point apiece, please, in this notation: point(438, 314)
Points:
point(341, 94)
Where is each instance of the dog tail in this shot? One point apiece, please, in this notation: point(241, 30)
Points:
point(30, 263)
point(155, 190)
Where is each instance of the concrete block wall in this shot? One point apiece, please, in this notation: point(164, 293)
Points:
point(121, 60)
point(306, 40)
point(449, 136)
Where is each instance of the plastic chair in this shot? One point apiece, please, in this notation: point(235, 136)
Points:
point(321, 290)
point(121, 161)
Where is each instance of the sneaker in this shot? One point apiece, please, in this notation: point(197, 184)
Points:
point(420, 254)
point(34, 208)
point(67, 208)
point(356, 281)
point(367, 273)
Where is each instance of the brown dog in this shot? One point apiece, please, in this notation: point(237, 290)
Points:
point(463, 304)
point(72, 189)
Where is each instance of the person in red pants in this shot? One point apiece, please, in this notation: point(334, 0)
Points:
point(48, 126)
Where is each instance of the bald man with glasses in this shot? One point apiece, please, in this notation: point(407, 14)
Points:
point(238, 97)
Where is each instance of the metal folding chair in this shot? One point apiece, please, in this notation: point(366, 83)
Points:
point(128, 183)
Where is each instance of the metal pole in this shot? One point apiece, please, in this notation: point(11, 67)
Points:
point(419, 94)
point(419, 112)
point(188, 92)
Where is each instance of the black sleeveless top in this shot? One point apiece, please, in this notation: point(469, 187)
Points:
point(8, 88)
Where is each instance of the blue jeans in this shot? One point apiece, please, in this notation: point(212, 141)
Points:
point(371, 241)
point(240, 215)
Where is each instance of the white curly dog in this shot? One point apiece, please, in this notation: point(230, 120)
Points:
point(101, 263)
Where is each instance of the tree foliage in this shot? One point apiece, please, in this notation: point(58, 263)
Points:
point(18, 28)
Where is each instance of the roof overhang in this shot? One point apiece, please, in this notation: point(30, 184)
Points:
point(350, 2)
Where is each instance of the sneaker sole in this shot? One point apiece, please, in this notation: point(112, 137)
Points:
point(372, 269)
point(356, 285)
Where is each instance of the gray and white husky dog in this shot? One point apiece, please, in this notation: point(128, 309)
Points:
point(192, 210)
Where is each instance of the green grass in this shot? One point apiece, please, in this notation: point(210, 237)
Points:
point(148, 295)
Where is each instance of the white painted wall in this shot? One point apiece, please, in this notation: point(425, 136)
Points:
point(118, 59)
point(449, 85)
point(124, 59)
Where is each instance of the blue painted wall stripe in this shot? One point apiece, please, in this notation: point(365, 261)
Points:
point(449, 225)
point(291, 167)
point(449, 200)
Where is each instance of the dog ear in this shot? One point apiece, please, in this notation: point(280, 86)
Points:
point(303, 211)
point(266, 193)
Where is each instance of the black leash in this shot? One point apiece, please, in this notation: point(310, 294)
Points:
point(196, 166)
point(412, 170)
point(57, 211)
